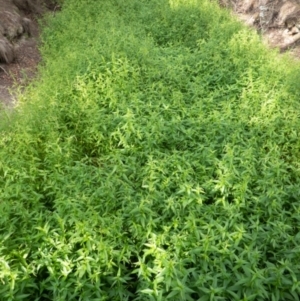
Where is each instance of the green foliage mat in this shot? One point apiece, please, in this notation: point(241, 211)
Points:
point(157, 158)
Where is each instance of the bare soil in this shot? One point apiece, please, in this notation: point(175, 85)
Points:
point(277, 20)
point(18, 73)
point(19, 39)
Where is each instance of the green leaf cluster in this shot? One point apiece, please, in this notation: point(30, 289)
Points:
point(156, 158)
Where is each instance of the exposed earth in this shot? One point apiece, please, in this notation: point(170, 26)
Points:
point(22, 69)
point(19, 38)
point(277, 20)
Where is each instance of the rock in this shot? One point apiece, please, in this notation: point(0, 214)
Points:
point(19, 54)
point(278, 20)
point(14, 25)
point(29, 6)
point(11, 24)
point(7, 52)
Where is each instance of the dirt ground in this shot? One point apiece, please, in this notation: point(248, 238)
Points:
point(19, 41)
point(277, 20)
point(16, 74)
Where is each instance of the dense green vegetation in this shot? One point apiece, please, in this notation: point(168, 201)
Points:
point(157, 158)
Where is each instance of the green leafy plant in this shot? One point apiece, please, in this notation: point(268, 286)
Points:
point(156, 158)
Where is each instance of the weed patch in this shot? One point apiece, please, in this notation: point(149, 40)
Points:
point(155, 159)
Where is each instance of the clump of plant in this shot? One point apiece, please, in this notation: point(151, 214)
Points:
point(155, 159)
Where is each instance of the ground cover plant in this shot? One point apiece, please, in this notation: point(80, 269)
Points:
point(157, 158)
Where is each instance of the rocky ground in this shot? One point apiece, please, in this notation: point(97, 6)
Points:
point(19, 36)
point(277, 20)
